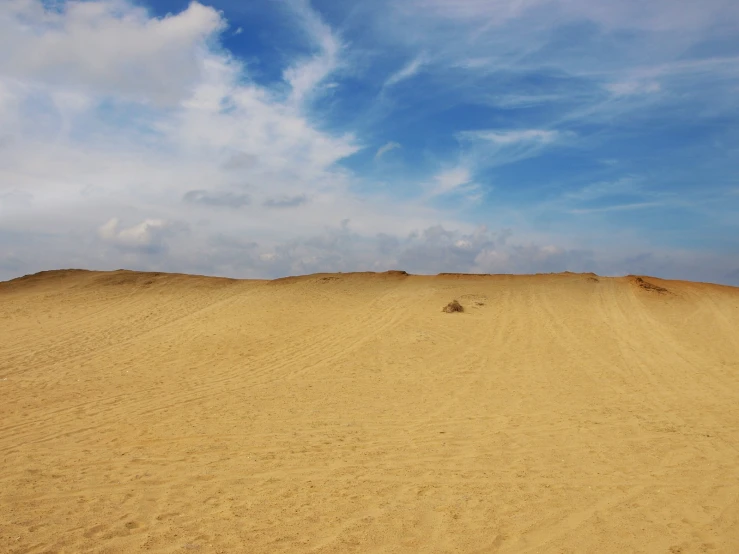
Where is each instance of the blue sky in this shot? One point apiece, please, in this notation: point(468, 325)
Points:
point(275, 137)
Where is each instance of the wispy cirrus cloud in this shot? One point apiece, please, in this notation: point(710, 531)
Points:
point(618, 207)
point(407, 71)
point(629, 184)
point(512, 137)
point(385, 148)
point(625, 88)
point(492, 147)
point(659, 15)
point(306, 74)
point(451, 180)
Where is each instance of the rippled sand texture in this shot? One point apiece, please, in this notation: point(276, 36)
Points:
point(349, 413)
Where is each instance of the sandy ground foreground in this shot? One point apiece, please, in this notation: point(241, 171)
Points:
point(348, 413)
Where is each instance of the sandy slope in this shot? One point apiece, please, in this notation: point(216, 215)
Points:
point(347, 413)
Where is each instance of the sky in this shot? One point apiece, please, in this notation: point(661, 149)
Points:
point(265, 138)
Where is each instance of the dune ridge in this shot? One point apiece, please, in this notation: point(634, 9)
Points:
point(155, 412)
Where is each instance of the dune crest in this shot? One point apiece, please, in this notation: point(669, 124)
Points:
point(348, 413)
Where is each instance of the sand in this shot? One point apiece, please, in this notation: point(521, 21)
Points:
point(349, 413)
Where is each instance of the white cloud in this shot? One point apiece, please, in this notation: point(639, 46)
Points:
point(286, 201)
point(659, 15)
point(305, 75)
point(473, 63)
point(86, 162)
point(500, 10)
point(275, 135)
point(226, 199)
point(618, 207)
point(107, 47)
point(629, 184)
point(457, 180)
point(141, 153)
point(385, 148)
point(146, 236)
point(406, 72)
point(490, 148)
point(626, 88)
point(450, 180)
point(527, 258)
point(513, 137)
point(566, 38)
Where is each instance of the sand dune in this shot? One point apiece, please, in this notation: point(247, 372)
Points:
point(348, 413)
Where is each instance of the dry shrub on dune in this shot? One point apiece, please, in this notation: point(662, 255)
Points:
point(453, 306)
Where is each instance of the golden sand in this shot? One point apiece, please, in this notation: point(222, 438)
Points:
point(349, 413)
